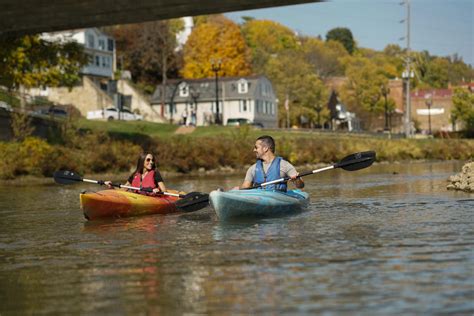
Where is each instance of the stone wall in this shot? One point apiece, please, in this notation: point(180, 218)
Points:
point(140, 102)
point(85, 97)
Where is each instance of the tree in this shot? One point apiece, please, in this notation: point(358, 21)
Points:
point(265, 39)
point(459, 71)
point(324, 57)
point(344, 36)
point(362, 93)
point(148, 50)
point(437, 73)
point(30, 61)
point(293, 77)
point(216, 39)
point(463, 109)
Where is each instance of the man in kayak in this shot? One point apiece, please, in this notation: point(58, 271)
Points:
point(145, 175)
point(269, 167)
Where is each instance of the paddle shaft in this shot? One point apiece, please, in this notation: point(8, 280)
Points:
point(299, 176)
point(341, 164)
point(131, 188)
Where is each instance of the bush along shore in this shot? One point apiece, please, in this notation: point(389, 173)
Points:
point(464, 180)
point(95, 151)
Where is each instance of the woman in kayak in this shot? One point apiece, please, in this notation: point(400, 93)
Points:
point(145, 175)
point(269, 167)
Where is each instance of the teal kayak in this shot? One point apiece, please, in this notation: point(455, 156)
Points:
point(257, 203)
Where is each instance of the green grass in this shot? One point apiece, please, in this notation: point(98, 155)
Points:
point(129, 127)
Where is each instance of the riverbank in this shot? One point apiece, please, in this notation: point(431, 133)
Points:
point(211, 150)
point(172, 176)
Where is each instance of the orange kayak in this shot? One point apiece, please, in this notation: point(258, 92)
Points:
point(117, 203)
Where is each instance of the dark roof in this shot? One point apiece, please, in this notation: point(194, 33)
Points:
point(204, 90)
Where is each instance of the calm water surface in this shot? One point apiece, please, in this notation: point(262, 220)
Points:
point(386, 240)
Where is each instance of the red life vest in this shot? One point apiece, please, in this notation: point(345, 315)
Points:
point(147, 182)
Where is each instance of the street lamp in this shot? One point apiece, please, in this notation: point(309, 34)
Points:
point(429, 102)
point(385, 91)
point(195, 96)
point(216, 66)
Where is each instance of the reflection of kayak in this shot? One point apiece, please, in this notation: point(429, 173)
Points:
point(117, 203)
point(257, 203)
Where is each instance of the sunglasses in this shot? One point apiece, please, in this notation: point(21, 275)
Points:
point(150, 159)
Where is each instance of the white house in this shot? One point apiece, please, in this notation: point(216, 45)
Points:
point(99, 47)
point(251, 98)
point(98, 89)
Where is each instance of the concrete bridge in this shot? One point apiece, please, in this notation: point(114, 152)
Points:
point(35, 16)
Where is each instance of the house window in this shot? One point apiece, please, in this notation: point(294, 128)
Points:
point(110, 45)
point(167, 109)
point(104, 61)
point(91, 41)
point(97, 61)
point(242, 86)
point(243, 106)
point(183, 90)
point(101, 44)
point(273, 108)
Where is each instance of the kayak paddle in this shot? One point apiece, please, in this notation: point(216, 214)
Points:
point(190, 202)
point(352, 162)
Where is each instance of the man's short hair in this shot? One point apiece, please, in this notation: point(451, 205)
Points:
point(268, 141)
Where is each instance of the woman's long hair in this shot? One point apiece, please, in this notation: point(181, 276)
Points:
point(141, 163)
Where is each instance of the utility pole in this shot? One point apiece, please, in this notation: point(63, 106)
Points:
point(407, 74)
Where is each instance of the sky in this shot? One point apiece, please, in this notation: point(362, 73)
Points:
point(442, 27)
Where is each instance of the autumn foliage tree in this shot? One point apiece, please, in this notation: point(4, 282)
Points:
point(294, 79)
point(463, 110)
point(265, 39)
point(324, 57)
point(363, 91)
point(216, 38)
point(31, 61)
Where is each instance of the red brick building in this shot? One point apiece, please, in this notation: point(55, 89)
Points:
point(433, 105)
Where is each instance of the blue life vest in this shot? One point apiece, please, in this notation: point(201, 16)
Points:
point(273, 173)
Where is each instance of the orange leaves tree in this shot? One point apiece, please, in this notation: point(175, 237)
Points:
point(218, 38)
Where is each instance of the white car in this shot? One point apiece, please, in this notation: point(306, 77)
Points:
point(113, 114)
point(5, 106)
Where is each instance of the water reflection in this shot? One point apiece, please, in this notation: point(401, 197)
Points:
point(387, 240)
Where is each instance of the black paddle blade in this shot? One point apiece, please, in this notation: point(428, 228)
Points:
point(66, 177)
point(193, 201)
point(357, 161)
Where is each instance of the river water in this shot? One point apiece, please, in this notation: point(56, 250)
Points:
point(389, 239)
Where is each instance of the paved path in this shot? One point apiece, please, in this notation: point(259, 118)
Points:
point(185, 130)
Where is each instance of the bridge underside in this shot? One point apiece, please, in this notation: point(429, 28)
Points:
point(35, 16)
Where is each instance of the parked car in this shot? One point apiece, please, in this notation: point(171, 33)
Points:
point(53, 111)
point(113, 114)
point(237, 121)
point(243, 121)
